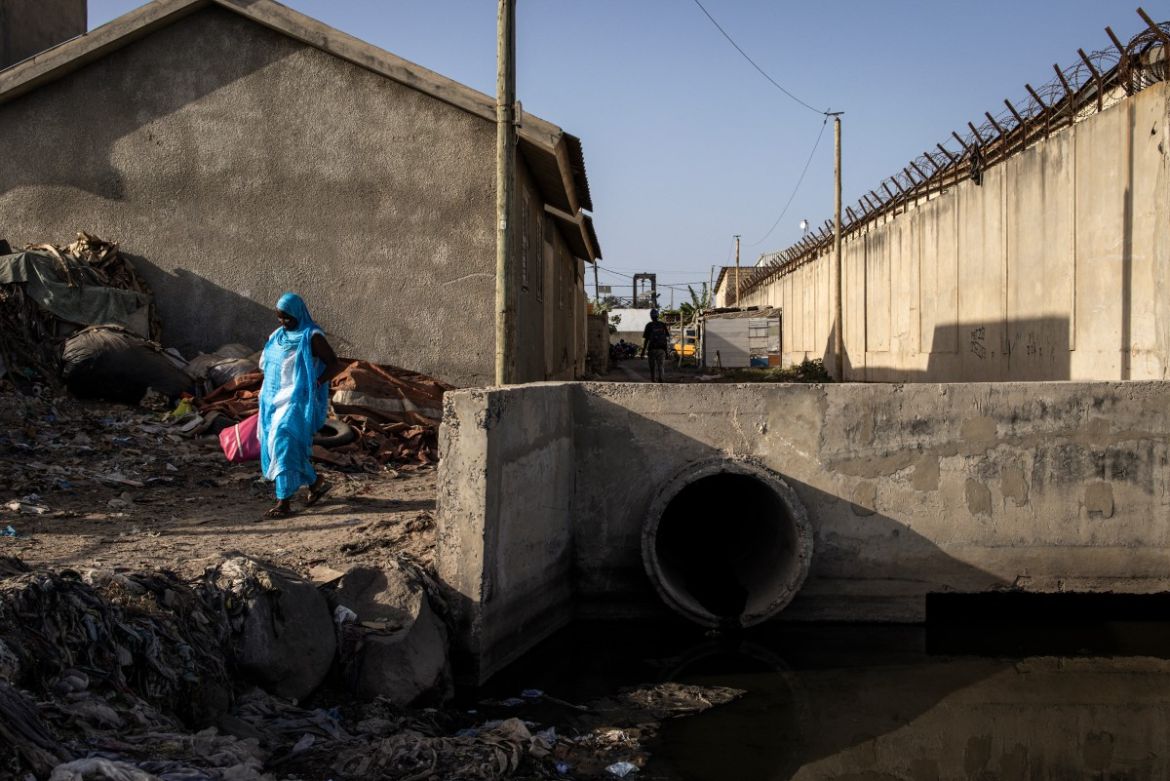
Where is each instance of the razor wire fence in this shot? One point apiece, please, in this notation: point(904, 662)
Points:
point(1094, 82)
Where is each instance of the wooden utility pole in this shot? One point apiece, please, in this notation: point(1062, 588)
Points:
point(596, 287)
point(838, 320)
point(737, 269)
point(505, 184)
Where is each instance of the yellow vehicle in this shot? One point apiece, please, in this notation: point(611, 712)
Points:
point(687, 350)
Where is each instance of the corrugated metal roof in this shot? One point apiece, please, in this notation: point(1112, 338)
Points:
point(577, 163)
point(744, 314)
point(589, 229)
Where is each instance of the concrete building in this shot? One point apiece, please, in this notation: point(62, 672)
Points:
point(31, 26)
point(237, 149)
point(1052, 267)
point(723, 291)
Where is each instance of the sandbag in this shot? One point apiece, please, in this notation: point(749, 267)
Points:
point(111, 363)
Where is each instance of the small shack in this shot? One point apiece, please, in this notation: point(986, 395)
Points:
point(737, 338)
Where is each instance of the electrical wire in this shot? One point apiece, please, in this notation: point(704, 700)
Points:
point(672, 286)
point(807, 163)
point(775, 83)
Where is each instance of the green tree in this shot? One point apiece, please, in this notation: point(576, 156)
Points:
point(699, 301)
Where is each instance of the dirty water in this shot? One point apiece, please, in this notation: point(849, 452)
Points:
point(959, 700)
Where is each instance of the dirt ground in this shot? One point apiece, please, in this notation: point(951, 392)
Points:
point(87, 485)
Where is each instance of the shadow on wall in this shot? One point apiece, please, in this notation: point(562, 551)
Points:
point(128, 89)
point(1025, 350)
point(224, 315)
point(870, 556)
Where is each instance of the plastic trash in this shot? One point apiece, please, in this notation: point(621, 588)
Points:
point(563, 768)
point(532, 694)
point(512, 702)
point(343, 615)
point(8, 532)
point(621, 769)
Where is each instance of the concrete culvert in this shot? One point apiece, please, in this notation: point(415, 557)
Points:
point(727, 541)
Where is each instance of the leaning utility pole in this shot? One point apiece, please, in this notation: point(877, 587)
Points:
point(505, 183)
point(737, 269)
point(596, 286)
point(838, 320)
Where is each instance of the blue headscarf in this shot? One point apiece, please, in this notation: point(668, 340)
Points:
point(293, 406)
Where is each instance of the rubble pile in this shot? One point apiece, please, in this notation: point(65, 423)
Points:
point(48, 292)
point(394, 413)
point(145, 677)
point(51, 444)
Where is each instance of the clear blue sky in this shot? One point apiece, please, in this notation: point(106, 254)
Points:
point(686, 144)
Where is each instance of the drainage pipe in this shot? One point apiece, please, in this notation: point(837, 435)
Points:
point(727, 541)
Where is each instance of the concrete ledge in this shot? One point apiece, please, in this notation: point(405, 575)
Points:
point(909, 489)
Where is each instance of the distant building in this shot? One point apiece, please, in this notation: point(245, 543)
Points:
point(240, 149)
point(723, 293)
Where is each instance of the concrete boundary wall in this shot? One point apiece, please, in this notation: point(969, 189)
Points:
point(1051, 269)
point(909, 489)
point(506, 540)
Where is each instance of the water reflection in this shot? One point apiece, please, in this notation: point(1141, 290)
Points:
point(876, 704)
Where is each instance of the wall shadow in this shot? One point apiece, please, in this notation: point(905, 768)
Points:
point(227, 316)
point(1022, 350)
point(609, 515)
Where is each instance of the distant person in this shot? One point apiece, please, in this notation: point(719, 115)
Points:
point(656, 340)
point(298, 364)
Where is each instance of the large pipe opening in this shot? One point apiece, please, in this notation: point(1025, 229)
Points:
point(727, 542)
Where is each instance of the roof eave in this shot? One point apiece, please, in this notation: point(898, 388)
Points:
point(59, 60)
point(576, 235)
point(567, 189)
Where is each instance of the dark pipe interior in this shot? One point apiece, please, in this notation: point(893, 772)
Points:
point(727, 543)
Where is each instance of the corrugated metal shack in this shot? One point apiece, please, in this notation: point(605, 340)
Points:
point(736, 338)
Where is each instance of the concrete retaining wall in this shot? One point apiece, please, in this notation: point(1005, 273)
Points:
point(910, 489)
point(505, 545)
point(1049, 270)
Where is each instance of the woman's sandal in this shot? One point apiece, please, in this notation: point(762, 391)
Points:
point(278, 512)
point(318, 494)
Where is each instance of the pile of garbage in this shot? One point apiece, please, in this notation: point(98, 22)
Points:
point(81, 316)
point(391, 414)
point(48, 292)
point(145, 677)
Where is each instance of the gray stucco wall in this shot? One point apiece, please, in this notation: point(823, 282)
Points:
point(235, 163)
point(31, 26)
point(506, 555)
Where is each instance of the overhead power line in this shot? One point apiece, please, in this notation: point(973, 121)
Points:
point(763, 73)
point(797, 187)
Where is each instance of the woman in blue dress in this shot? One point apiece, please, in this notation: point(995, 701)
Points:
point(298, 364)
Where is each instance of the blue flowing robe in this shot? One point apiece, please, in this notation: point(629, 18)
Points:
point(293, 405)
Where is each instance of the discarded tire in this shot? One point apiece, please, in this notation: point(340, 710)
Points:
point(111, 363)
point(727, 541)
point(334, 433)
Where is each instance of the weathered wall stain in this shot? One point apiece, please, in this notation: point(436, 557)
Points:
point(864, 499)
point(1099, 499)
point(979, 431)
point(978, 497)
point(1013, 485)
point(926, 474)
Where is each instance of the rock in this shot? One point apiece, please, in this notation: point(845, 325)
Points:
point(284, 636)
point(398, 648)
